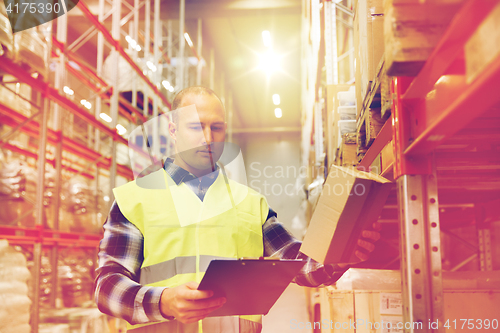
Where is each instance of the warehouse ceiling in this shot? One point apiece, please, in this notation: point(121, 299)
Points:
point(233, 28)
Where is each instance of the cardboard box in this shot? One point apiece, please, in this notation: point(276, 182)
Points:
point(411, 31)
point(483, 46)
point(351, 200)
point(332, 130)
point(370, 296)
point(369, 43)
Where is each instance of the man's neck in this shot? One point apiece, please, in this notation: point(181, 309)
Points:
point(197, 172)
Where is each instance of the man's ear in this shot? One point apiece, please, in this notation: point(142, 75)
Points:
point(172, 130)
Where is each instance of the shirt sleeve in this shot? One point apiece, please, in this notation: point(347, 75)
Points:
point(278, 242)
point(117, 291)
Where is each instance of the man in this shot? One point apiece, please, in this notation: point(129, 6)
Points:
point(159, 237)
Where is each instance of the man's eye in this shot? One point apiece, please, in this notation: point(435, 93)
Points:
point(195, 128)
point(217, 128)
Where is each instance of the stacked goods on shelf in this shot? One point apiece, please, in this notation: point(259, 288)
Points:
point(75, 274)
point(348, 152)
point(347, 126)
point(81, 208)
point(30, 50)
point(341, 118)
point(14, 300)
point(6, 39)
point(18, 194)
point(16, 95)
point(412, 29)
point(373, 298)
point(368, 45)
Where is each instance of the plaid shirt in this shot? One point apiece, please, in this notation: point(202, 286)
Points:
point(117, 291)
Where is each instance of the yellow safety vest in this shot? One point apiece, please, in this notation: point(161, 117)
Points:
point(182, 234)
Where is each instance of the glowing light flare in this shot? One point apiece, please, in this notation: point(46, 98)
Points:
point(188, 39)
point(278, 113)
point(67, 90)
point(167, 85)
point(269, 62)
point(86, 103)
point(276, 99)
point(266, 38)
point(151, 66)
point(105, 117)
point(121, 130)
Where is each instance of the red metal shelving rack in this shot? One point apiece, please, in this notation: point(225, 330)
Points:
point(445, 129)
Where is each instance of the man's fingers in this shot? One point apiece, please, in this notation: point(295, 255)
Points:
point(361, 255)
point(368, 246)
point(373, 235)
point(377, 226)
point(195, 315)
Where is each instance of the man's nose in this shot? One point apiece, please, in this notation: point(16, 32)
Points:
point(207, 133)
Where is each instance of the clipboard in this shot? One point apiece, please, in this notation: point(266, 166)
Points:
point(250, 286)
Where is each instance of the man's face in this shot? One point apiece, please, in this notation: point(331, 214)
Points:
point(199, 133)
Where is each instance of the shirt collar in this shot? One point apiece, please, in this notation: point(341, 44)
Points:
point(180, 175)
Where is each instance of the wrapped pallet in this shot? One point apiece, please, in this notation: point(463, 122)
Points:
point(30, 51)
point(14, 300)
point(411, 31)
point(369, 44)
point(6, 39)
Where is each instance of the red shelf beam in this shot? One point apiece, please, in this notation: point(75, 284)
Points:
point(38, 84)
point(29, 236)
point(12, 118)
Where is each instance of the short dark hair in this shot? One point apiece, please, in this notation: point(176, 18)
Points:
point(194, 90)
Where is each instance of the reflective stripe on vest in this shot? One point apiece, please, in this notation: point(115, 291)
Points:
point(179, 265)
point(182, 233)
point(210, 325)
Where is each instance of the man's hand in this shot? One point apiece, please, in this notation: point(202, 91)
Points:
point(366, 241)
point(188, 304)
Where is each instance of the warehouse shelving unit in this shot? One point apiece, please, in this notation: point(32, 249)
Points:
point(445, 127)
point(88, 158)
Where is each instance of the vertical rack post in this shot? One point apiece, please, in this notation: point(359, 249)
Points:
point(420, 251)
point(199, 43)
point(157, 76)
point(169, 51)
point(212, 69)
point(115, 32)
point(421, 276)
point(147, 45)
point(135, 36)
point(182, 43)
point(37, 247)
point(60, 78)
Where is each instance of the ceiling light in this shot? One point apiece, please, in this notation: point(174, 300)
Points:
point(138, 47)
point(86, 103)
point(121, 130)
point(68, 90)
point(166, 84)
point(269, 62)
point(266, 37)
point(278, 113)
point(105, 117)
point(106, 198)
point(276, 99)
point(151, 66)
point(171, 89)
point(188, 39)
